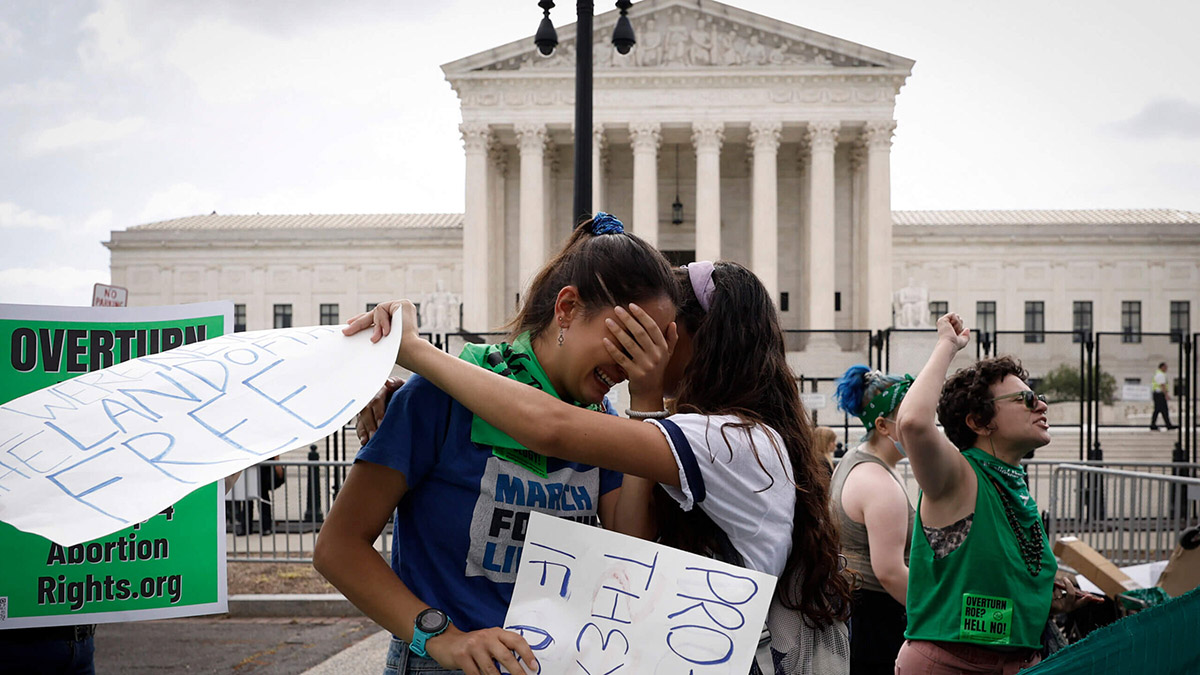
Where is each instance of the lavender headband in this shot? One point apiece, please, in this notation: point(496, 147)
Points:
point(700, 274)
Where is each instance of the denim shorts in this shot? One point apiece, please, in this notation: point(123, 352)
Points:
point(401, 661)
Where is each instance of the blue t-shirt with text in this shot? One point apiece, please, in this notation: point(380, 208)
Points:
point(460, 526)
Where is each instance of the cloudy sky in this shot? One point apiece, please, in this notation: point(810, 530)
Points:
point(120, 112)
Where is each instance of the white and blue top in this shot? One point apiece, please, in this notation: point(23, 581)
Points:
point(751, 498)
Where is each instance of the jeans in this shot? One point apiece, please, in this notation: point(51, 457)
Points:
point(46, 650)
point(401, 661)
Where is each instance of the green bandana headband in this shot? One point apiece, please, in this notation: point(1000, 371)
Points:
point(515, 361)
point(885, 402)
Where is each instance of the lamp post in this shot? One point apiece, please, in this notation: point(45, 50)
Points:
point(546, 40)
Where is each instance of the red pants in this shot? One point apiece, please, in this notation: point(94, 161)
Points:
point(921, 657)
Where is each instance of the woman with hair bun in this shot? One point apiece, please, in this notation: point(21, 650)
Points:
point(875, 517)
point(462, 488)
point(735, 455)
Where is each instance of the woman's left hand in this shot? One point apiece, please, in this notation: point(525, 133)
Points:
point(640, 349)
point(1067, 597)
point(381, 319)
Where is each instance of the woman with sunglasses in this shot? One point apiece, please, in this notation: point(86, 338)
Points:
point(981, 574)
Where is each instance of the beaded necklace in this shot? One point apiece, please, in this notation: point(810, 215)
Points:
point(1030, 540)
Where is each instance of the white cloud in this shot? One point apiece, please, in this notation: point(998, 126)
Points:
point(353, 65)
point(50, 285)
point(1164, 118)
point(109, 39)
point(10, 39)
point(42, 92)
point(98, 224)
point(13, 216)
point(81, 133)
point(181, 199)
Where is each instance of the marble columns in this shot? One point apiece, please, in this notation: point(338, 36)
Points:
point(477, 253)
point(599, 147)
point(819, 279)
point(645, 138)
point(877, 273)
point(764, 217)
point(531, 227)
point(707, 138)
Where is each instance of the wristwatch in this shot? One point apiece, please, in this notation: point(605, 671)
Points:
point(429, 624)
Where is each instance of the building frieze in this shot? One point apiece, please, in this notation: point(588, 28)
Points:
point(692, 34)
point(781, 94)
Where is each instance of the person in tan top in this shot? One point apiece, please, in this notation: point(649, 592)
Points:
point(876, 519)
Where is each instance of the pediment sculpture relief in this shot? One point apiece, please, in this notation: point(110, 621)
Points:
point(688, 39)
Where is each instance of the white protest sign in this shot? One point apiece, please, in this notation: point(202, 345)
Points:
point(592, 601)
point(814, 401)
point(1135, 392)
point(86, 457)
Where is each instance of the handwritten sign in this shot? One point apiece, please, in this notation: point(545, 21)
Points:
point(94, 454)
point(592, 601)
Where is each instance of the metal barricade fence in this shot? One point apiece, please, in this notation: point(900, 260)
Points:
point(1039, 475)
point(282, 525)
point(1130, 517)
point(1128, 494)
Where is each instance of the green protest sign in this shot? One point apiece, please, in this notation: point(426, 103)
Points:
point(170, 565)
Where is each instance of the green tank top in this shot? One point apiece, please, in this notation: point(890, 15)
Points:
point(995, 588)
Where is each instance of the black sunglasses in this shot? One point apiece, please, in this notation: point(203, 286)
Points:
point(1027, 397)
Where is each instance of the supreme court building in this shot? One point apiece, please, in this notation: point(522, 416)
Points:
point(775, 140)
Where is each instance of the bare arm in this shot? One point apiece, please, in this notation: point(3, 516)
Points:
point(534, 419)
point(634, 512)
point(939, 468)
point(345, 555)
point(885, 515)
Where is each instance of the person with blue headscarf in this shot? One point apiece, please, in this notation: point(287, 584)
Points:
point(876, 519)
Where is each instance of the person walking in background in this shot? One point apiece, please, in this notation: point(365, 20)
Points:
point(875, 518)
point(1158, 387)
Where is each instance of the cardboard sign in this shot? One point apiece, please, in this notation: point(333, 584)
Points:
point(172, 564)
point(87, 457)
point(592, 601)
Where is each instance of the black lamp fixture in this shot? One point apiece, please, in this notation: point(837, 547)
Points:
point(677, 206)
point(623, 38)
point(546, 39)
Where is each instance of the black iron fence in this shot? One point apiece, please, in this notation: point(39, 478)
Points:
point(1097, 380)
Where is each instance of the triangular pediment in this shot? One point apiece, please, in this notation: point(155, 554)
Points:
point(687, 35)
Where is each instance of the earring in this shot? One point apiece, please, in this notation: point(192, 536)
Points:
point(560, 336)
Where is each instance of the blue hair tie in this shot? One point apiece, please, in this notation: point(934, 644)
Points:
point(603, 223)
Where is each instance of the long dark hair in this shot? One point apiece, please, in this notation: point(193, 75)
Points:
point(739, 367)
point(614, 268)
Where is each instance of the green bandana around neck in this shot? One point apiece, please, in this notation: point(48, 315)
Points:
point(885, 402)
point(515, 361)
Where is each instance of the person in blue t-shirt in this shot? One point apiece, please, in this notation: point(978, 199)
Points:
point(734, 457)
point(462, 490)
